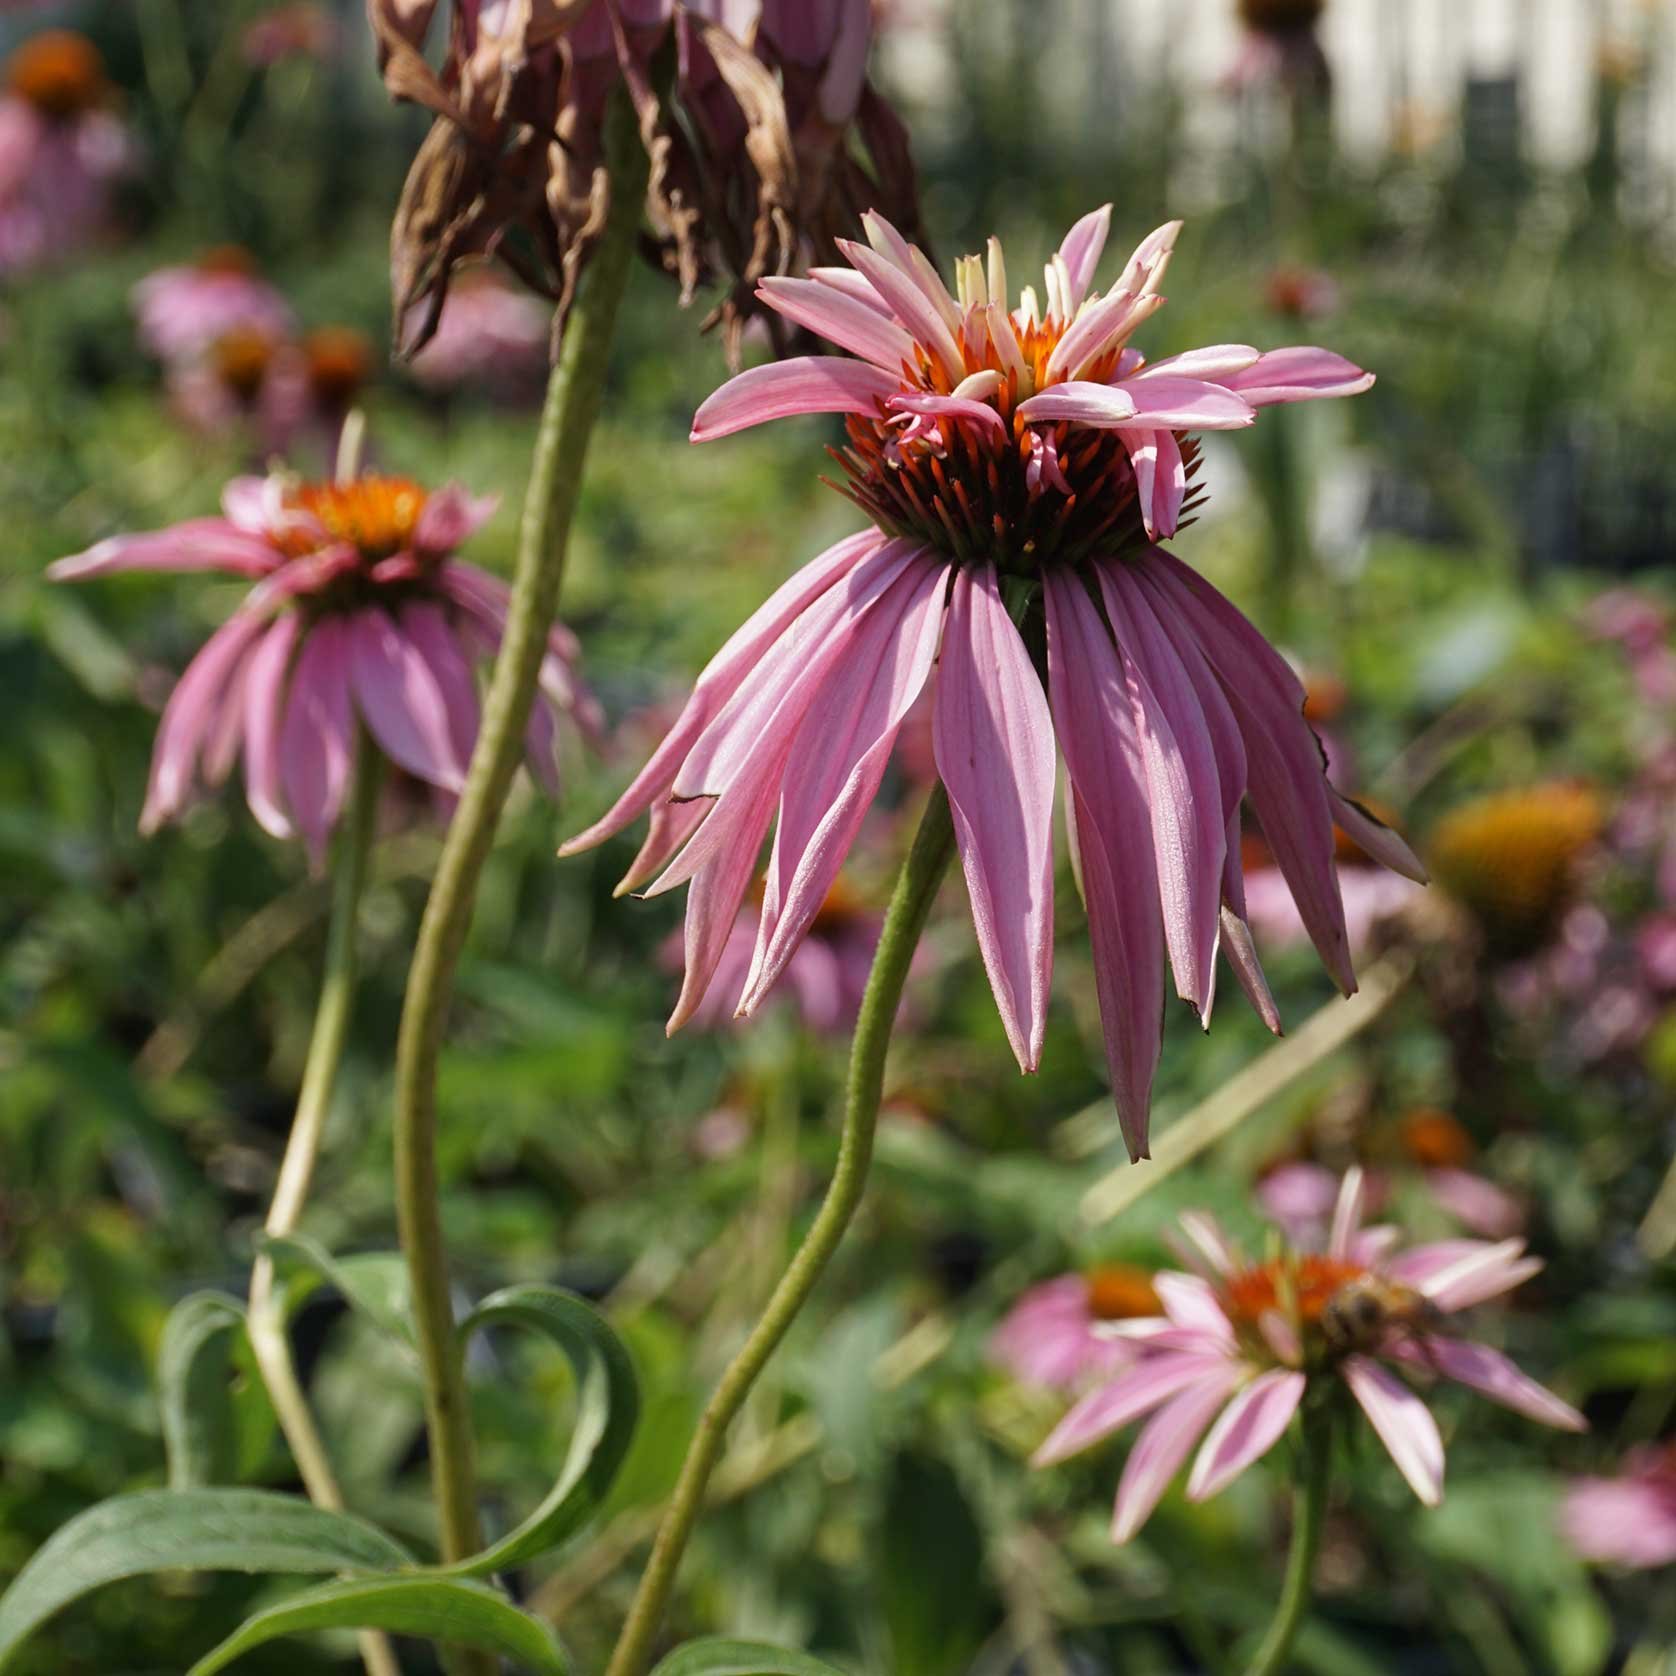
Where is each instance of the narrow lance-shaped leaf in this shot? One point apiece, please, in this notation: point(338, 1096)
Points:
point(607, 1410)
point(186, 1530)
point(716, 1656)
point(192, 1370)
point(445, 1609)
point(373, 1282)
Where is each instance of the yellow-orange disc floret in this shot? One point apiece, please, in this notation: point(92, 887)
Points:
point(60, 73)
point(375, 515)
point(1121, 1292)
point(1297, 1287)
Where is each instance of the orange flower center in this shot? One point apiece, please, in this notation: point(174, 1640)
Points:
point(1435, 1140)
point(231, 259)
point(1298, 1287)
point(1121, 1292)
point(375, 515)
point(59, 72)
point(339, 360)
point(241, 359)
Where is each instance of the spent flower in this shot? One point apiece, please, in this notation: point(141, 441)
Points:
point(1020, 465)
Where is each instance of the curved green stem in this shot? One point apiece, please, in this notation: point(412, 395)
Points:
point(567, 419)
point(265, 1319)
point(910, 903)
point(1309, 1508)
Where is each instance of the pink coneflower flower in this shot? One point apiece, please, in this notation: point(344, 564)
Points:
point(61, 150)
point(183, 312)
point(361, 616)
point(1056, 1334)
point(1370, 895)
point(1019, 465)
point(1627, 1520)
point(302, 30)
point(1239, 1345)
point(489, 335)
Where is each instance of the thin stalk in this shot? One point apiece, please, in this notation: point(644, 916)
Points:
point(265, 1319)
point(1309, 1508)
point(567, 420)
point(910, 904)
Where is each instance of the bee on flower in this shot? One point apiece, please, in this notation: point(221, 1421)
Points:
point(1240, 1346)
point(1021, 464)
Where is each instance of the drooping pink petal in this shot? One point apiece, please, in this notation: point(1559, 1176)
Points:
point(1347, 1212)
point(1298, 375)
point(1241, 954)
point(1403, 1422)
point(952, 407)
point(1044, 467)
point(428, 628)
point(1160, 479)
point(451, 516)
point(1491, 1374)
point(910, 303)
point(317, 740)
point(1192, 1304)
point(198, 544)
point(1376, 838)
point(1247, 1429)
point(992, 735)
point(1476, 1202)
point(264, 701)
point(1081, 251)
point(1165, 1442)
point(671, 825)
point(398, 697)
point(1095, 723)
point(720, 680)
point(853, 325)
point(838, 760)
point(801, 384)
point(1134, 1392)
point(1184, 791)
point(193, 709)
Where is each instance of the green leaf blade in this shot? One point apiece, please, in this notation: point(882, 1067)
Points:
point(718, 1656)
point(192, 1368)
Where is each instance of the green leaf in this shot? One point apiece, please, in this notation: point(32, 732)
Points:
point(373, 1282)
point(930, 1560)
point(187, 1530)
point(192, 1367)
point(716, 1656)
point(446, 1609)
point(607, 1410)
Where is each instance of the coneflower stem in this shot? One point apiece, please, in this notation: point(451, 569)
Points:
point(1309, 1505)
point(567, 419)
point(265, 1320)
point(910, 904)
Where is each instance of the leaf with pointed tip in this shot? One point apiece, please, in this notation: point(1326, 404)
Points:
point(607, 1410)
point(192, 1369)
point(716, 1656)
point(186, 1530)
point(374, 1282)
point(449, 1610)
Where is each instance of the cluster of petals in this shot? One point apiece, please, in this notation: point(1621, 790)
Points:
point(1299, 1197)
point(1169, 707)
point(360, 617)
point(1239, 1346)
point(1628, 1519)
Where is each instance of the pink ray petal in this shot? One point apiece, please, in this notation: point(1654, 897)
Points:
point(1192, 1304)
point(1216, 362)
point(1165, 1442)
point(198, 544)
point(1348, 1212)
point(317, 739)
point(992, 735)
point(1478, 1276)
point(1221, 1253)
point(1373, 835)
point(1081, 251)
point(1403, 1422)
point(1298, 375)
point(1476, 1203)
point(428, 628)
point(1160, 479)
point(953, 407)
point(891, 245)
point(1184, 792)
point(1491, 1374)
point(264, 707)
point(851, 324)
point(853, 285)
point(1132, 1393)
point(1240, 952)
point(1181, 403)
point(1093, 332)
point(1095, 722)
point(193, 709)
point(451, 516)
point(1419, 1263)
point(1247, 1429)
point(672, 824)
point(782, 389)
point(397, 694)
point(910, 303)
point(1144, 271)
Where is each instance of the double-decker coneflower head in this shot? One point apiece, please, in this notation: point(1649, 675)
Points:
point(361, 617)
point(1020, 464)
point(1239, 1345)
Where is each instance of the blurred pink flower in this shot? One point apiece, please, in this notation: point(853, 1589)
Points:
point(184, 311)
point(61, 150)
point(1012, 460)
point(1370, 896)
point(1239, 1345)
point(1627, 1520)
point(301, 30)
point(488, 335)
point(1055, 1335)
point(360, 617)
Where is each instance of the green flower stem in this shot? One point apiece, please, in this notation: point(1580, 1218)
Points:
point(265, 1319)
point(567, 420)
point(910, 904)
point(1309, 1509)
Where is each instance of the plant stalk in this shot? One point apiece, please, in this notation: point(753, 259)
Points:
point(571, 406)
point(265, 1319)
point(1309, 1509)
point(910, 904)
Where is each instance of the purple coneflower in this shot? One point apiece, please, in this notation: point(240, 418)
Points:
point(1019, 465)
point(185, 310)
point(1239, 1346)
point(1630, 1519)
point(360, 615)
